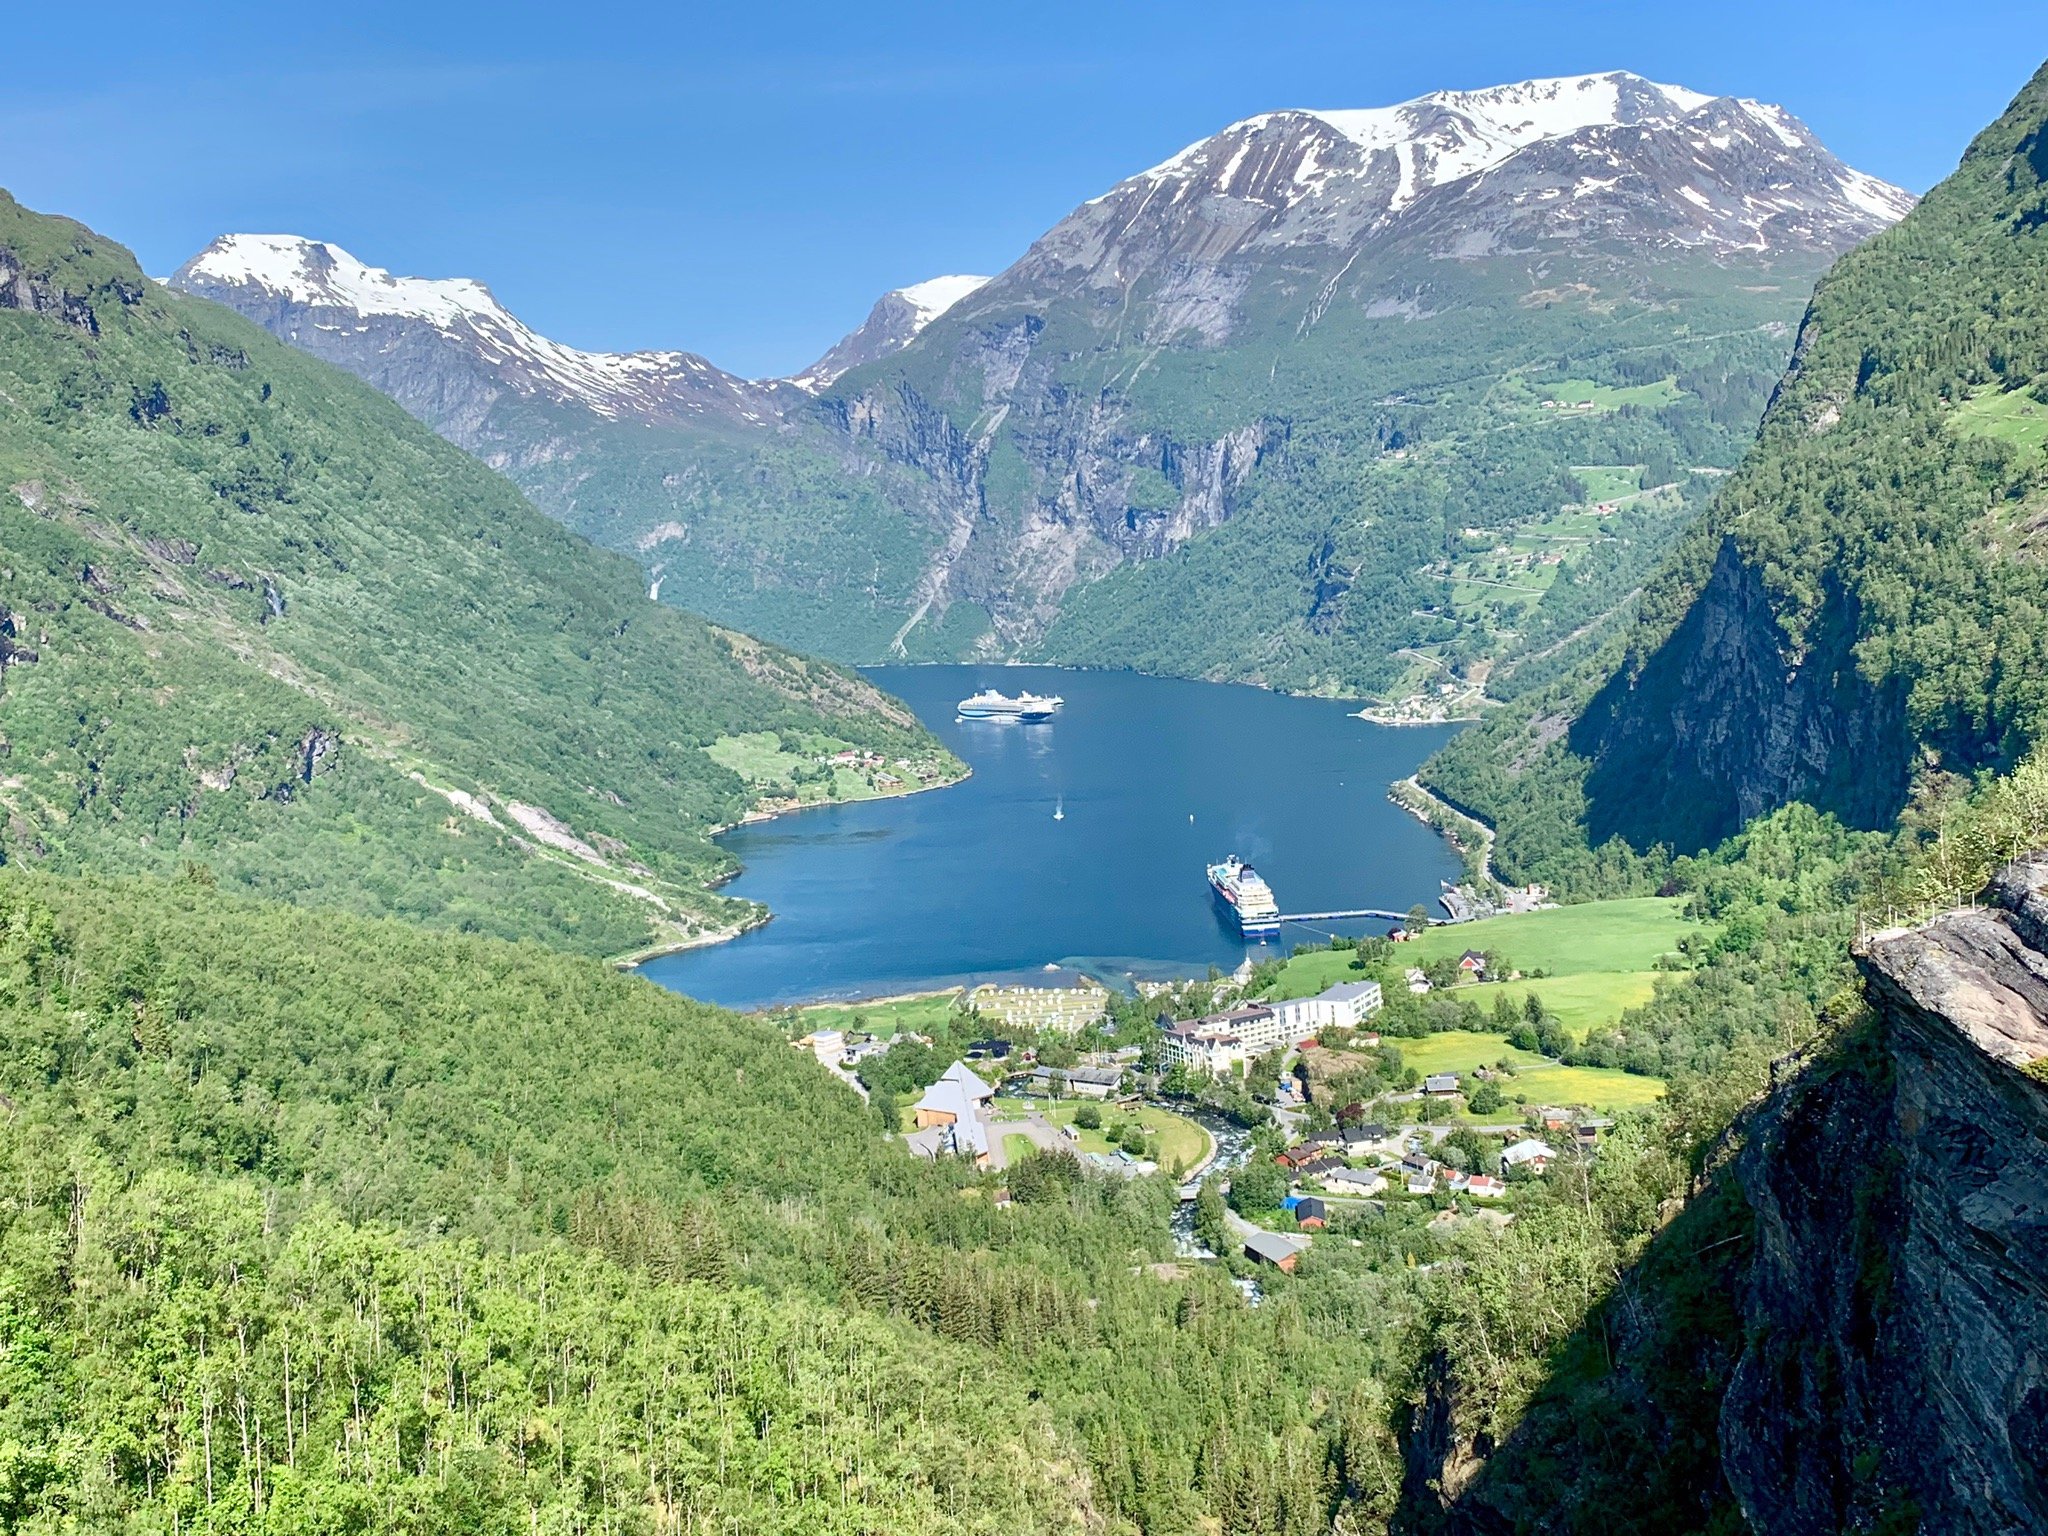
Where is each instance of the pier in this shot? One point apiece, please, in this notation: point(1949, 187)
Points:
point(1338, 917)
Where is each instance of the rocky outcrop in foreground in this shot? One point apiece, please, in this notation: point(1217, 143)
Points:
point(1896, 1372)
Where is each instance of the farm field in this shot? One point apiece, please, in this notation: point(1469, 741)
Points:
point(1612, 397)
point(757, 757)
point(1582, 1002)
point(2013, 416)
point(1622, 938)
point(1625, 935)
point(1537, 1079)
point(1606, 482)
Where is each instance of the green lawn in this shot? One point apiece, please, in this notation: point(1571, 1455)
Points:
point(1565, 941)
point(1620, 939)
point(1609, 397)
point(757, 757)
point(1537, 1079)
point(2013, 416)
point(1580, 1002)
point(1016, 1147)
point(1180, 1140)
point(1605, 482)
point(919, 1015)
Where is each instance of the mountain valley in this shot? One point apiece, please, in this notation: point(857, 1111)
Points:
point(376, 675)
point(1383, 401)
point(256, 623)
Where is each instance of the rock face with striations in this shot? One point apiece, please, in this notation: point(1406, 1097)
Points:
point(1897, 1364)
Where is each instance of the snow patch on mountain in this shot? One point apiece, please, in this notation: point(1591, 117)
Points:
point(338, 292)
point(1390, 157)
point(935, 295)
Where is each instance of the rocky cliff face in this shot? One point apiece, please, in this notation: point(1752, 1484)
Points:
point(1080, 488)
point(1731, 719)
point(1864, 1290)
point(1897, 1368)
point(1874, 600)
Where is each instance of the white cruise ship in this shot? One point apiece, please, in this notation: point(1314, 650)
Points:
point(1250, 900)
point(991, 705)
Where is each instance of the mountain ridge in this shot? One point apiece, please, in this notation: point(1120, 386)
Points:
point(1025, 472)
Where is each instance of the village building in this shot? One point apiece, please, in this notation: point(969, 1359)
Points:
point(1472, 963)
point(1310, 1214)
point(1484, 1186)
point(1354, 1181)
point(828, 1045)
point(1271, 1248)
point(956, 1107)
point(1222, 1042)
point(1079, 1082)
point(1437, 1084)
point(1342, 1006)
point(1421, 1184)
point(1528, 1153)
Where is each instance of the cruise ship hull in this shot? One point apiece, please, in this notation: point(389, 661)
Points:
point(1024, 716)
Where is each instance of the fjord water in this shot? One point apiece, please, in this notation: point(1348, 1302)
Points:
point(1157, 778)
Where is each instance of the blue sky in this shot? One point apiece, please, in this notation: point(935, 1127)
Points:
point(744, 180)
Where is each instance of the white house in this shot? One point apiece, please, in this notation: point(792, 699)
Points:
point(1529, 1152)
point(1343, 1006)
point(1355, 1181)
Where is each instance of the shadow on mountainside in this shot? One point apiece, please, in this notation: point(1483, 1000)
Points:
point(1729, 727)
point(1623, 1434)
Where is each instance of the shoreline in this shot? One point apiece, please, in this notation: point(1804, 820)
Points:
point(633, 959)
point(956, 990)
point(1370, 718)
point(636, 959)
point(755, 818)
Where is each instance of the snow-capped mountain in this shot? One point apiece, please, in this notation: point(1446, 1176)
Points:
point(894, 322)
point(448, 341)
point(1612, 157)
point(955, 476)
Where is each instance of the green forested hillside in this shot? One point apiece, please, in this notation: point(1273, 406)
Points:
point(279, 1248)
point(253, 615)
point(316, 1222)
point(430, 1165)
point(1436, 514)
point(1868, 597)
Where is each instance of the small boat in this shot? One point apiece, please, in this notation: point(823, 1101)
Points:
point(1031, 708)
point(1059, 809)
